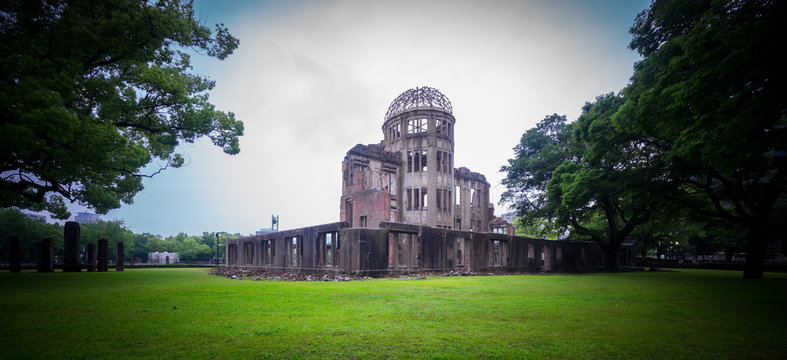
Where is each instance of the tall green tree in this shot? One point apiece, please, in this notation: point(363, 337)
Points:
point(93, 91)
point(710, 94)
point(588, 176)
point(539, 152)
point(15, 223)
point(113, 231)
point(605, 189)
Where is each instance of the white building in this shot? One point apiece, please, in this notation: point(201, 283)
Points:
point(162, 258)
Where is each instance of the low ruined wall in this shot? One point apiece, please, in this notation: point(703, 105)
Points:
point(397, 247)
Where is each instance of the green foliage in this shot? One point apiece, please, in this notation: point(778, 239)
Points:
point(536, 228)
point(710, 94)
point(539, 152)
point(113, 231)
point(92, 92)
point(191, 248)
point(588, 175)
point(692, 314)
point(701, 125)
point(14, 223)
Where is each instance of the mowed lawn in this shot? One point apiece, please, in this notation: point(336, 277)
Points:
point(186, 313)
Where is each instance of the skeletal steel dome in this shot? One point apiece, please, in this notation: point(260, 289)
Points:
point(420, 97)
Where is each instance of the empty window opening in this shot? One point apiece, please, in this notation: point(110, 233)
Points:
point(441, 127)
point(401, 246)
point(423, 198)
point(348, 211)
point(409, 199)
point(326, 249)
point(440, 164)
point(403, 250)
point(473, 198)
point(457, 193)
point(267, 252)
point(423, 160)
point(460, 252)
point(394, 131)
point(362, 221)
point(415, 126)
point(294, 250)
point(439, 199)
point(498, 253)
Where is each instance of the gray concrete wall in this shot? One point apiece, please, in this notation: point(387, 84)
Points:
point(398, 247)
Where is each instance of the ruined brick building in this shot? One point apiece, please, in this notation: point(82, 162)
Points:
point(409, 177)
point(404, 207)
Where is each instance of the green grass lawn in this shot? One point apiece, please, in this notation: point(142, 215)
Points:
point(689, 314)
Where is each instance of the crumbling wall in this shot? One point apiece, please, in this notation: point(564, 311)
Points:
point(397, 247)
point(370, 186)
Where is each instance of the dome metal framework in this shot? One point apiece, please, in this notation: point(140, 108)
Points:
point(420, 97)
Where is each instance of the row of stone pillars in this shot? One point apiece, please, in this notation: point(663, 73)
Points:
point(45, 254)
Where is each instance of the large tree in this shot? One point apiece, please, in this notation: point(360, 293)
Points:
point(604, 190)
point(93, 91)
point(539, 152)
point(588, 176)
point(711, 94)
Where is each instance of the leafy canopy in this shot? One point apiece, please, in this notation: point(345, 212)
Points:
point(539, 152)
point(92, 92)
point(711, 94)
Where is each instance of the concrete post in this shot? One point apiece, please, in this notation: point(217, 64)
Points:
point(15, 256)
point(119, 256)
point(71, 262)
point(103, 255)
point(46, 256)
point(91, 257)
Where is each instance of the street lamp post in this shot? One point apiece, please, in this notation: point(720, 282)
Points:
point(217, 249)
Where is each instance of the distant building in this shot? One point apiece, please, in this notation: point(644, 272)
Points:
point(87, 218)
point(36, 217)
point(274, 226)
point(499, 225)
point(263, 231)
point(163, 258)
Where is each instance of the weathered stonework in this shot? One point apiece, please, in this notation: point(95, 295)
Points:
point(409, 176)
point(71, 248)
point(45, 262)
point(397, 247)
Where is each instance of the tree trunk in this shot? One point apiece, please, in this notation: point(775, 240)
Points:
point(611, 254)
point(756, 250)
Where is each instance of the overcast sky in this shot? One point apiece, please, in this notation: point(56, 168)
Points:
point(313, 78)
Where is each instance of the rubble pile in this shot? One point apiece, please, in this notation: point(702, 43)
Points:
point(260, 274)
